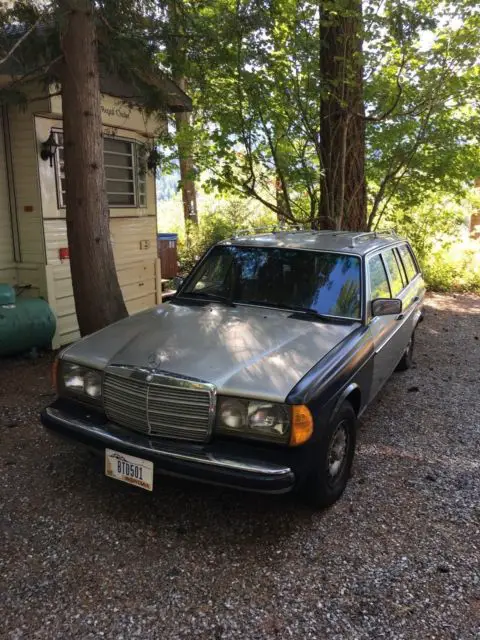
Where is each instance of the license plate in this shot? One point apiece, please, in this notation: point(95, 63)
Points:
point(129, 469)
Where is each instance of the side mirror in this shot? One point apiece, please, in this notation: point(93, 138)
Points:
point(177, 282)
point(386, 307)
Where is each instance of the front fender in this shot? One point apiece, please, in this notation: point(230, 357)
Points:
point(352, 387)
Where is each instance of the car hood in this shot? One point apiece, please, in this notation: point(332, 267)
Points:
point(244, 351)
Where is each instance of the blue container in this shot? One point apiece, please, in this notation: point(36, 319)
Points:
point(27, 324)
point(167, 236)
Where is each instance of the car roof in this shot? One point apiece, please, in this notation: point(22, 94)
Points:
point(351, 242)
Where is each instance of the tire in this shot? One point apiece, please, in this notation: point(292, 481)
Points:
point(407, 358)
point(327, 480)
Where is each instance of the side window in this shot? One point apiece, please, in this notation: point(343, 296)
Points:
point(379, 287)
point(119, 171)
point(396, 281)
point(408, 262)
point(403, 274)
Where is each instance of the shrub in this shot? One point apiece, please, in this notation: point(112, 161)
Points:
point(453, 267)
point(450, 260)
point(218, 223)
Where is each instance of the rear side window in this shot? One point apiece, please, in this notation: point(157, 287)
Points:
point(396, 281)
point(408, 261)
point(401, 267)
point(378, 279)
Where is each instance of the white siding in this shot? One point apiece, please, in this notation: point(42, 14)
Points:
point(7, 270)
point(135, 268)
point(118, 115)
point(25, 159)
point(33, 276)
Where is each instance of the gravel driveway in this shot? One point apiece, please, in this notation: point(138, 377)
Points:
point(82, 556)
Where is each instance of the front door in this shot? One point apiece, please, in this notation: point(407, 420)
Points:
point(384, 329)
point(389, 276)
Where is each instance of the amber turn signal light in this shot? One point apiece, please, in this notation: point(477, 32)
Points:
point(302, 425)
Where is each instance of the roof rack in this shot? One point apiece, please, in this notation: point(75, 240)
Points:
point(370, 235)
point(272, 229)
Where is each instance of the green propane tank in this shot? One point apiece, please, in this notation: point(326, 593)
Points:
point(25, 324)
point(7, 294)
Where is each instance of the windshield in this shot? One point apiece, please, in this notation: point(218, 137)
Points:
point(327, 283)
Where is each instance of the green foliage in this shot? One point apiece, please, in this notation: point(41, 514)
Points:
point(422, 63)
point(438, 221)
point(438, 234)
point(255, 78)
point(218, 223)
point(454, 266)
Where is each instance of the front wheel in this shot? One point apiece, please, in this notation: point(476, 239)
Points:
point(333, 460)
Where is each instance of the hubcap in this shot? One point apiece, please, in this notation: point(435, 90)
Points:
point(337, 451)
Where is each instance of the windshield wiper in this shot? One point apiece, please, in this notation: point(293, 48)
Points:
point(307, 312)
point(301, 312)
point(214, 297)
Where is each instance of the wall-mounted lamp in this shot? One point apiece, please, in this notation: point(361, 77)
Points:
point(48, 148)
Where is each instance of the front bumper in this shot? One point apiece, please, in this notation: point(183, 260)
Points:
point(206, 463)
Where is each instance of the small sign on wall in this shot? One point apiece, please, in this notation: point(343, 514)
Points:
point(64, 253)
point(144, 244)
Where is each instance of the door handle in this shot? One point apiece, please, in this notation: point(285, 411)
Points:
point(416, 299)
point(401, 316)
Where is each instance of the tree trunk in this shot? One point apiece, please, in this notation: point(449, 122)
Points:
point(98, 297)
point(189, 193)
point(280, 202)
point(177, 54)
point(343, 201)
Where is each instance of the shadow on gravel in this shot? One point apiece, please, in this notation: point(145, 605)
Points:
point(187, 509)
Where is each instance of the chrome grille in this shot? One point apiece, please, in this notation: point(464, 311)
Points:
point(159, 404)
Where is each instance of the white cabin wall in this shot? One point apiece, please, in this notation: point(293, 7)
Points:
point(133, 229)
point(7, 257)
point(25, 164)
point(24, 188)
point(118, 115)
point(135, 253)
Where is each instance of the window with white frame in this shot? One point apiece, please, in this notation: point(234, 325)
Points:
point(141, 175)
point(125, 178)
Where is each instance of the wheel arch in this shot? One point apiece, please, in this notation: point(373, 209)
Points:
point(353, 394)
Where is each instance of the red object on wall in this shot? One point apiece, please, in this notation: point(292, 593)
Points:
point(64, 253)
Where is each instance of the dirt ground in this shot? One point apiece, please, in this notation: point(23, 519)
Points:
point(82, 556)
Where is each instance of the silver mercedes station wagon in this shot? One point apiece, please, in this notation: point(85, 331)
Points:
point(253, 374)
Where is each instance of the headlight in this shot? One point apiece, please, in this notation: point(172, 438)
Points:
point(79, 381)
point(254, 419)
